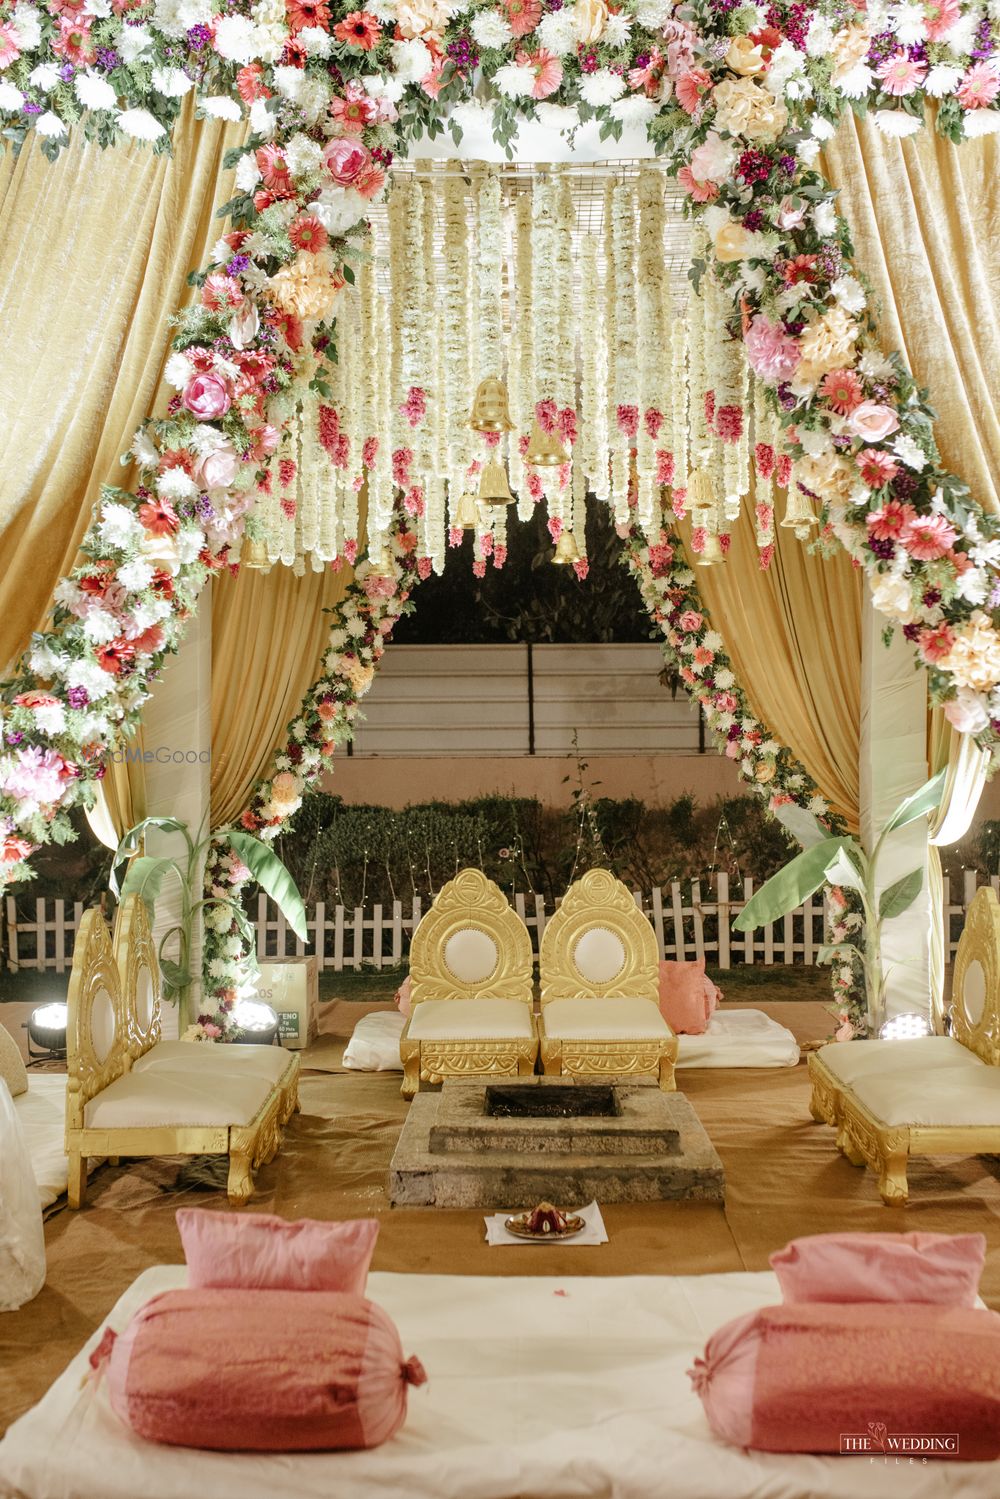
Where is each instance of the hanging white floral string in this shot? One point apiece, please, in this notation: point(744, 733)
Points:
point(653, 350)
point(521, 366)
point(545, 303)
point(626, 378)
point(765, 433)
point(456, 359)
point(593, 455)
point(566, 418)
point(676, 473)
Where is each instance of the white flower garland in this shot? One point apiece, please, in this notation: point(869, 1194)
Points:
point(521, 367)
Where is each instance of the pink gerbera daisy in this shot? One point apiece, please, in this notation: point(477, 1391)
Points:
point(359, 29)
point(936, 643)
point(9, 49)
point(927, 537)
point(353, 113)
point(701, 192)
point(841, 389)
point(901, 74)
point(73, 41)
point(307, 233)
point(274, 170)
point(547, 71)
point(876, 468)
point(523, 15)
point(939, 17)
point(980, 86)
point(691, 87)
point(887, 524)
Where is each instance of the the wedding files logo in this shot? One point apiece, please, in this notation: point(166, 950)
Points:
point(878, 1441)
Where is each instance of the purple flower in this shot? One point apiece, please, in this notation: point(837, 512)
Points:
point(107, 58)
point(32, 109)
point(237, 265)
point(66, 72)
point(882, 547)
point(199, 37)
point(78, 697)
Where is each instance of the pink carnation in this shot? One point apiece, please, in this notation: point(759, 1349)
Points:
point(771, 352)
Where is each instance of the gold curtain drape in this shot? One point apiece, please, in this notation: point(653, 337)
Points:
point(925, 219)
point(268, 634)
point(95, 249)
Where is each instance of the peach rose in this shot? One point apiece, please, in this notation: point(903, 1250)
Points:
point(850, 46)
point(744, 108)
point(745, 57)
point(590, 17)
point(284, 789)
point(764, 772)
point(872, 421)
point(966, 712)
point(830, 476)
point(733, 242)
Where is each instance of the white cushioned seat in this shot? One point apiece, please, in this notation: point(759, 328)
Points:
point(153, 1098)
point(849, 1060)
point(943, 1097)
point(604, 1020)
point(196, 1058)
point(461, 1019)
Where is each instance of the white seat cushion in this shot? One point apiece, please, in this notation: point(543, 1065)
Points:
point(939, 1096)
point(196, 1058)
point(848, 1060)
point(461, 1019)
point(604, 1020)
point(150, 1099)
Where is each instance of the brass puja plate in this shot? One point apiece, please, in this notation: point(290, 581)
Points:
point(518, 1226)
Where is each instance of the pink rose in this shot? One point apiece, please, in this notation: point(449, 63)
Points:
point(218, 470)
point(244, 325)
point(772, 352)
point(207, 397)
point(690, 620)
point(346, 159)
point(966, 712)
point(789, 216)
point(873, 421)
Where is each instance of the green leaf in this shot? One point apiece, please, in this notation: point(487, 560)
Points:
point(790, 886)
point(922, 801)
point(145, 877)
point(897, 898)
point(174, 976)
point(845, 870)
point(134, 836)
point(272, 877)
point(803, 826)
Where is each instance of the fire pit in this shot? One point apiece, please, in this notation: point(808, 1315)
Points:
point(490, 1144)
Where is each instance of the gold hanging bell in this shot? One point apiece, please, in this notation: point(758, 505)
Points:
point(467, 514)
point(711, 553)
point(798, 509)
point(380, 565)
point(490, 412)
point(545, 450)
point(493, 486)
point(699, 489)
point(253, 554)
point(567, 552)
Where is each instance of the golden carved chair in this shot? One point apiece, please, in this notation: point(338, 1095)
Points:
point(600, 987)
point(932, 1095)
point(471, 988)
point(129, 1094)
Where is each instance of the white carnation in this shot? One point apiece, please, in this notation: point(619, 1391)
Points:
point(856, 82)
point(617, 30)
point(236, 39)
point(45, 76)
point(815, 441)
point(220, 107)
point(557, 32)
point(557, 116)
point(849, 293)
point(50, 125)
point(143, 449)
point(140, 125)
point(786, 62)
point(247, 173)
point(635, 110)
point(28, 26)
point(941, 80)
point(100, 626)
point(411, 60)
point(821, 129)
point(490, 29)
point(51, 718)
point(973, 585)
point(303, 155)
point(908, 24)
point(135, 575)
point(807, 151)
point(178, 370)
point(896, 122)
point(820, 38)
point(94, 92)
point(980, 122)
point(132, 42)
point(172, 83)
point(514, 82)
point(473, 115)
point(652, 15)
point(11, 99)
point(961, 38)
point(315, 40)
point(824, 218)
point(602, 87)
point(175, 484)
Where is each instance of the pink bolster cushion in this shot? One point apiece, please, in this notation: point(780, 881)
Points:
point(262, 1252)
point(259, 1371)
point(684, 1002)
point(943, 1269)
point(403, 1003)
point(800, 1378)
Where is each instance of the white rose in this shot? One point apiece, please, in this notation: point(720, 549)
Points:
point(892, 595)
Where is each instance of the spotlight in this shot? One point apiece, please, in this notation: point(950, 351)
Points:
point(908, 1027)
point(47, 1030)
point(257, 1023)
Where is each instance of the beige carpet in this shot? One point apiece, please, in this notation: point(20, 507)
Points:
point(784, 1178)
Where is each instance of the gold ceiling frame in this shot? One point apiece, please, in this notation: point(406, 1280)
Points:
point(469, 902)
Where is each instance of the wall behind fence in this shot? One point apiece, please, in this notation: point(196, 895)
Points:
point(690, 921)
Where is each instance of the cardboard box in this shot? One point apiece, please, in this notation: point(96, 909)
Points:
point(292, 988)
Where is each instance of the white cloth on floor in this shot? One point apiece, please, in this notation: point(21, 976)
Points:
point(374, 1043)
point(22, 1238)
point(594, 1233)
point(739, 1038)
point(41, 1113)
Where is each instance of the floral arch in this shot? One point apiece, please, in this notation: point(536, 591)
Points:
point(737, 100)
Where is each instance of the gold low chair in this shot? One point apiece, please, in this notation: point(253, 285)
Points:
point(600, 987)
point(471, 988)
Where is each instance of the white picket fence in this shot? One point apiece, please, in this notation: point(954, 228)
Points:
point(690, 921)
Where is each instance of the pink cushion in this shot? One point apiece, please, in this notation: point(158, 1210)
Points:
point(943, 1269)
point(259, 1371)
point(403, 1003)
point(683, 999)
point(799, 1378)
point(261, 1252)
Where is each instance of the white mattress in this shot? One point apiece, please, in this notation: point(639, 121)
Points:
point(739, 1038)
point(735, 1038)
point(539, 1388)
point(42, 1113)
